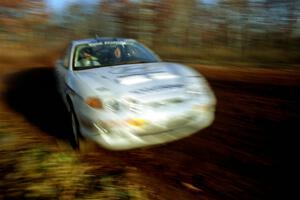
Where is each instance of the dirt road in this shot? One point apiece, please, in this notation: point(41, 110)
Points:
point(232, 159)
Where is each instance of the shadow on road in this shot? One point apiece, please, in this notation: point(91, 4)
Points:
point(33, 93)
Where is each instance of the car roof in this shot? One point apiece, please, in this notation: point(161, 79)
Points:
point(100, 39)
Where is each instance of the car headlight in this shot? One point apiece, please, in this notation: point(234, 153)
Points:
point(199, 89)
point(194, 90)
point(110, 102)
point(94, 102)
point(196, 87)
point(113, 105)
point(132, 104)
point(126, 103)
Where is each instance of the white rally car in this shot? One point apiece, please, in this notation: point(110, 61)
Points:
point(122, 96)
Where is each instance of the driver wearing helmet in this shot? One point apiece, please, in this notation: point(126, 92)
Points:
point(87, 59)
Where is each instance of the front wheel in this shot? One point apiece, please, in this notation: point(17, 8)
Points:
point(75, 130)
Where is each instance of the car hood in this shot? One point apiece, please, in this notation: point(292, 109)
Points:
point(139, 80)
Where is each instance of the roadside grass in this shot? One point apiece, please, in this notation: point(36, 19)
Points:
point(40, 171)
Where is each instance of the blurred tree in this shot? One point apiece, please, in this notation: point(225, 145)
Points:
point(23, 19)
point(10, 3)
point(231, 29)
point(115, 18)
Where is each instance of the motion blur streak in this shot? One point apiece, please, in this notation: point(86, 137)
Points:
point(249, 50)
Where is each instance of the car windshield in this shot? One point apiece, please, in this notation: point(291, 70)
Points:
point(109, 53)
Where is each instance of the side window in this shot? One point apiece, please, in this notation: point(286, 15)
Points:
point(67, 57)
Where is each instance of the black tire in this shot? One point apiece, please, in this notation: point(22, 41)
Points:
point(75, 138)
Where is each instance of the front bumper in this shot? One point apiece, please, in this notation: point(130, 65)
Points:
point(156, 129)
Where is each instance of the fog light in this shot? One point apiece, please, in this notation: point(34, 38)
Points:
point(136, 122)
